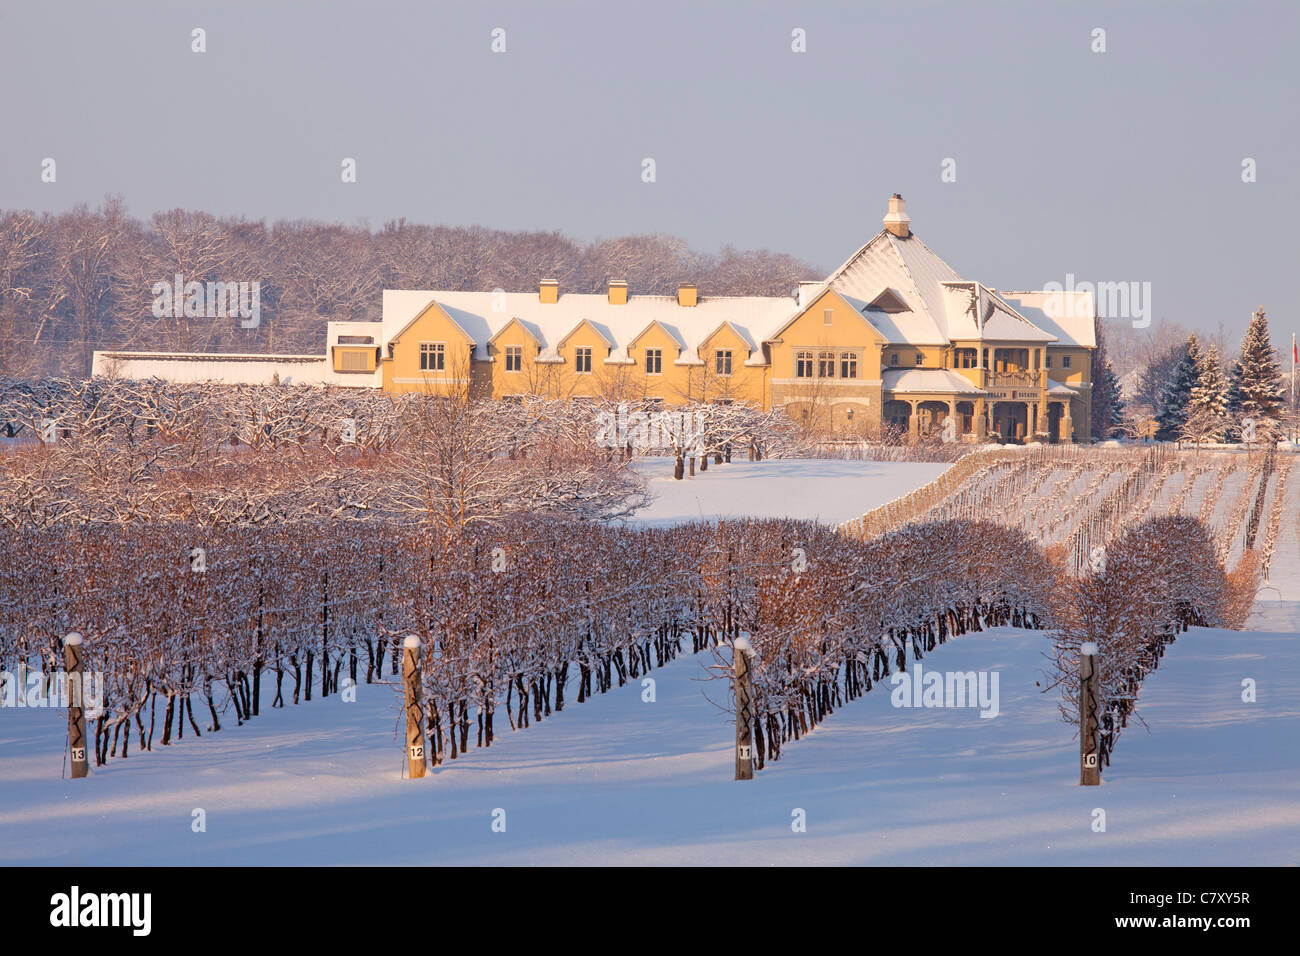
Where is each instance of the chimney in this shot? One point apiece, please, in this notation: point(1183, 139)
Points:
point(896, 220)
point(549, 291)
point(618, 292)
point(687, 294)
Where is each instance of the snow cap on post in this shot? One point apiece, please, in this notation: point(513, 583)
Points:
point(742, 644)
point(73, 638)
point(411, 641)
point(1088, 649)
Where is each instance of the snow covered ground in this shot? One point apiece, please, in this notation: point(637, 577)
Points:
point(829, 490)
point(1211, 780)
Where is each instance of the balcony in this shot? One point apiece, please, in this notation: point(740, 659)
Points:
point(1019, 379)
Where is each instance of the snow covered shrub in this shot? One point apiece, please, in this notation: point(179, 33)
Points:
point(828, 615)
point(1156, 579)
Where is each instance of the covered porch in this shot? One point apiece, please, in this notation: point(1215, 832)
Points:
point(937, 402)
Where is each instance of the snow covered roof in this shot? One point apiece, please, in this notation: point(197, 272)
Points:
point(927, 380)
point(1070, 316)
point(974, 311)
point(906, 268)
point(482, 315)
point(1061, 389)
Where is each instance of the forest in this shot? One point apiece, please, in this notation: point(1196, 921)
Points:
point(74, 282)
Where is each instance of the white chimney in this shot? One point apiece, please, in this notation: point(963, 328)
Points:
point(896, 220)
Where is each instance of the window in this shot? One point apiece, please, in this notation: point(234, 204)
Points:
point(433, 357)
point(966, 358)
point(848, 365)
point(722, 362)
point(803, 365)
point(582, 360)
point(827, 315)
point(918, 358)
point(654, 361)
point(1065, 361)
point(1049, 361)
point(354, 361)
point(826, 365)
point(514, 358)
point(893, 358)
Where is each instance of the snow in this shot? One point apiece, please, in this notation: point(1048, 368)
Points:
point(831, 491)
point(621, 781)
point(1202, 777)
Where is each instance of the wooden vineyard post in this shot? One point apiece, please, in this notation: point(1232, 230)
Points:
point(741, 655)
point(416, 763)
point(1089, 724)
point(74, 665)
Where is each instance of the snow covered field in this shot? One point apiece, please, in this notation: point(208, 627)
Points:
point(829, 490)
point(619, 781)
point(1209, 779)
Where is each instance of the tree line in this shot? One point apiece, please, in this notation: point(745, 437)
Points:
point(74, 282)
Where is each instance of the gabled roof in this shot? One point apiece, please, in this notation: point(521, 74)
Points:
point(670, 330)
point(754, 317)
point(599, 330)
point(741, 333)
point(855, 304)
point(532, 331)
point(429, 306)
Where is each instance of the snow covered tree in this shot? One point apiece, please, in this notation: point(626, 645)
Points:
point(1256, 393)
point(1206, 417)
point(1107, 403)
point(1172, 412)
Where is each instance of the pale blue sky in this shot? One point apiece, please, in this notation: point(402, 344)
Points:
point(1117, 166)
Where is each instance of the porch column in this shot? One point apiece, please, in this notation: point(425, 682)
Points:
point(913, 421)
point(981, 421)
point(1044, 414)
point(1067, 424)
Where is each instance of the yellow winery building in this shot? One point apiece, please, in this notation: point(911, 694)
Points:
point(893, 337)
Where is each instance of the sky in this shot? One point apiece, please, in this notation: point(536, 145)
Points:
point(1117, 166)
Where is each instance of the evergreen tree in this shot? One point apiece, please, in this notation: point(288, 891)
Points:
point(1206, 417)
point(1210, 393)
point(1172, 413)
point(1107, 403)
point(1256, 392)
